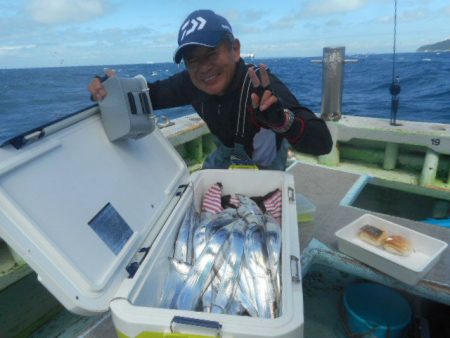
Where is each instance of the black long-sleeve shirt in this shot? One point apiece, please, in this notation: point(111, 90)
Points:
point(230, 117)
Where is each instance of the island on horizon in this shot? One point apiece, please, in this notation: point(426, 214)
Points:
point(441, 46)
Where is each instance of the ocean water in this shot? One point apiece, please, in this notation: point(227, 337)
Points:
point(33, 97)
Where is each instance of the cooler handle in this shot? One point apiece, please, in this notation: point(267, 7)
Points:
point(209, 324)
point(295, 269)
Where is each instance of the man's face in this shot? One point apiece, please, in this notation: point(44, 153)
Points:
point(212, 69)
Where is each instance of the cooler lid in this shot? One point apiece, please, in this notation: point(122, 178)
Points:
point(77, 207)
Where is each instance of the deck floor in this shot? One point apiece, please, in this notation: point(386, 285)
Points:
point(327, 187)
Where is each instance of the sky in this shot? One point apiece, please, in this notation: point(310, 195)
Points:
point(49, 33)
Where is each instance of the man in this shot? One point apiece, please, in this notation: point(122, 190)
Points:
point(250, 112)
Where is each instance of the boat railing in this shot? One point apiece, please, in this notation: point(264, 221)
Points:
point(416, 152)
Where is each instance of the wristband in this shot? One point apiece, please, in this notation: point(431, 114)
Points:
point(288, 120)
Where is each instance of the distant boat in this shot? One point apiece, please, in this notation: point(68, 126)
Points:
point(248, 55)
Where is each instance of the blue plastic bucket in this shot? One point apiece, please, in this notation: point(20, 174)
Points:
point(376, 309)
point(443, 222)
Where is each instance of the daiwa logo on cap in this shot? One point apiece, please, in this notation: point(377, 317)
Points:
point(202, 28)
point(196, 24)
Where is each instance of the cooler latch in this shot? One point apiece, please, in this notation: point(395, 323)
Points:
point(291, 194)
point(295, 269)
point(136, 261)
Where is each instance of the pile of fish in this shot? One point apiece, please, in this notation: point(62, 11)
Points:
point(227, 262)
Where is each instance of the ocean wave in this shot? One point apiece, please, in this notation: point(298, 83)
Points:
point(29, 101)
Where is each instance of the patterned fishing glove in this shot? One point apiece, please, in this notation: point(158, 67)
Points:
point(275, 116)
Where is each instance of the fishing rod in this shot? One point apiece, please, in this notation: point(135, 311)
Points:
point(395, 84)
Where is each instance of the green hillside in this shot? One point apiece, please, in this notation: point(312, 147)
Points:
point(441, 46)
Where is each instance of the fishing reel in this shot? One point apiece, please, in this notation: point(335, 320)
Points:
point(394, 90)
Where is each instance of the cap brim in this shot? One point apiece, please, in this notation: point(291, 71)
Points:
point(210, 39)
point(179, 52)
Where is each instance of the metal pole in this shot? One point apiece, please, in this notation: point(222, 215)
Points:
point(395, 86)
point(333, 82)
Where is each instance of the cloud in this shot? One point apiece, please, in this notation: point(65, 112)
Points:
point(255, 15)
point(62, 11)
point(246, 21)
point(286, 22)
point(9, 49)
point(328, 7)
point(446, 10)
point(313, 9)
point(333, 23)
point(415, 14)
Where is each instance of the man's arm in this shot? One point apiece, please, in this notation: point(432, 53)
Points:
point(174, 91)
point(277, 108)
point(308, 133)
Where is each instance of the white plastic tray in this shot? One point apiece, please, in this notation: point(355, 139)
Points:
point(409, 269)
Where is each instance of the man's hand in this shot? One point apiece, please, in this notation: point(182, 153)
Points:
point(96, 88)
point(268, 109)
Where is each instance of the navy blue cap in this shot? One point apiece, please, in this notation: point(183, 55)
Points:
point(202, 27)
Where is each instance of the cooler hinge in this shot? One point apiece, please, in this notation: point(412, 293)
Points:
point(139, 257)
point(136, 261)
point(181, 189)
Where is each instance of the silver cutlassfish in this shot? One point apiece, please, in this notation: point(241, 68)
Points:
point(229, 272)
point(200, 274)
point(257, 264)
point(250, 211)
point(273, 243)
point(183, 247)
point(180, 262)
point(206, 229)
point(174, 281)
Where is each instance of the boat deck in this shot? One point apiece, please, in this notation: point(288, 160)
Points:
point(325, 188)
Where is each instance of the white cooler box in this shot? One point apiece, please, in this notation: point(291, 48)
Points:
point(83, 211)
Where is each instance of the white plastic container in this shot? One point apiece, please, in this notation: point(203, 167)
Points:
point(84, 213)
point(408, 269)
